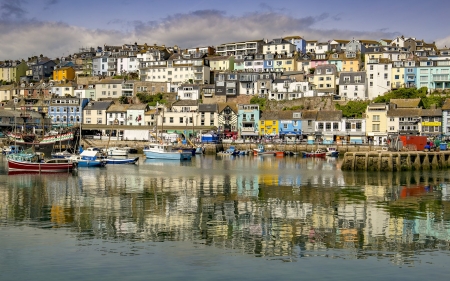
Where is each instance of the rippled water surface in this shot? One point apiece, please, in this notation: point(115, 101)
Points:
point(220, 217)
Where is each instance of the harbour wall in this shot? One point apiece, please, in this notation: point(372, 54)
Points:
point(395, 161)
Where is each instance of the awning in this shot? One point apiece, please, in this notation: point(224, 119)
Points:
point(290, 133)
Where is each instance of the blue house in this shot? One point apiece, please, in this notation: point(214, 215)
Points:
point(411, 79)
point(66, 111)
point(433, 75)
point(248, 120)
point(268, 61)
point(290, 126)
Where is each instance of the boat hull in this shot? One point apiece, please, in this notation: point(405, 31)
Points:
point(14, 165)
point(112, 161)
point(91, 163)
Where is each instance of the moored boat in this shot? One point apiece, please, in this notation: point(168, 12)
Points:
point(116, 151)
point(319, 153)
point(34, 162)
point(260, 151)
point(89, 159)
point(332, 152)
point(229, 152)
point(115, 161)
point(165, 151)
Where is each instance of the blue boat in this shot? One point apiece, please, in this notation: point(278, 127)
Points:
point(165, 151)
point(88, 158)
point(230, 151)
point(115, 161)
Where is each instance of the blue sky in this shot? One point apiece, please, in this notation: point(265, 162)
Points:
point(60, 27)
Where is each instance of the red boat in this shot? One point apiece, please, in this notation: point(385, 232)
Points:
point(315, 154)
point(34, 163)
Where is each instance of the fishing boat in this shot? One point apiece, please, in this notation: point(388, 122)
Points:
point(260, 151)
point(229, 152)
point(199, 150)
point(116, 151)
point(165, 151)
point(332, 152)
point(115, 161)
point(88, 158)
point(319, 153)
point(29, 161)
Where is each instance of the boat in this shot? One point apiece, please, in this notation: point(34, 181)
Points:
point(165, 151)
point(116, 151)
point(185, 149)
point(61, 154)
point(319, 153)
point(200, 150)
point(88, 158)
point(12, 149)
point(115, 161)
point(260, 151)
point(29, 161)
point(332, 152)
point(229, 152)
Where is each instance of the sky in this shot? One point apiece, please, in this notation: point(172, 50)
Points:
point(56, 28)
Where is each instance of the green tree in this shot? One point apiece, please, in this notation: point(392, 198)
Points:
point(353, 108)
point(151, 100)
point(123, 100)
point(260, 101)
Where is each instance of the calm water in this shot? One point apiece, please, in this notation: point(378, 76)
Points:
point(220, 218)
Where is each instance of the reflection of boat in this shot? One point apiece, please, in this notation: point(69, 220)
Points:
point(34, 162)
point(319, 153)
point(199, 150)
point(332, 152)
point(165, 151)
point(121, 161)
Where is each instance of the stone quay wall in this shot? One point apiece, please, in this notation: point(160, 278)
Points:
point(395, 161)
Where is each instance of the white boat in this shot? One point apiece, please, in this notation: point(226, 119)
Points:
point(165, 151)
point(116, 151)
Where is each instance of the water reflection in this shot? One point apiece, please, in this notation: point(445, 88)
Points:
point(287, 208)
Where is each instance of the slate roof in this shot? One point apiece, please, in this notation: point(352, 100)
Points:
point(432, 112)
point(352, 76)
point(185, 103)
point(309, 114)
point(406, 103)
point(205, 107)
point(329, 115)
point(110, 81)
point(269, 115)
point(98, 105)
point(232, 106)
point(404, 112)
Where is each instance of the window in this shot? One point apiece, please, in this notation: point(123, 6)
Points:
point(391, 128)
point(320, 126)
point(88, 120)
point(375, 127)
point(88, 112)
point(99, 120)
point(376, 118)
point(181, 120)
point(99, 112)
point(170, 119)
point(385, 76)
point(328, 126)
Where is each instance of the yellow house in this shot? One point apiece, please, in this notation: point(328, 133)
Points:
point(11, 71)
point(370, 56)
point(351, 62)
point(325, 79)
point(285, 62)
point(64, 73)
point(268, 124)
point(221, 63)
point(397, 77)
point(376, 122)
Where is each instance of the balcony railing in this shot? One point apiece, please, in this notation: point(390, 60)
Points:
point(441, 78)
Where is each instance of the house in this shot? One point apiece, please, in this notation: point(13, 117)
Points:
point(248, 120)
point(63, 89)
point(338, 45)
point(250, 47)
point(247, 83)
point(353, 130)
point(63, 74)
point(403, 121)
point(379, 73)
point(228, 119)
point(7, 92)
point(226, 84)
point(288, 89)
point(278, 46)
point(188, 92)
point(85, 91)
point(353, 85)
point(222, 63)
point(268, 123)
point(42, 70)
point(66, 111)
point(328, 126)
point(116, 114)
point(135, 114)
point(325, 80)
point(95, 112)
point(446, 118)
point(207, 117)
point(308, 124)
point(108, 89)
point(290, 125)
point(299, 42)
point(11, 71)
point(376, 123)
point(431, 122)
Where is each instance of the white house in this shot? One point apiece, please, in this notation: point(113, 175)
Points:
point(136, 114)
point(108, 88)
point(379, 72)
point(353, 85)
point(188, 92)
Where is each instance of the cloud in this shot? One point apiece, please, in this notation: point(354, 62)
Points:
point(443, 42)
point(198, 28)
point(49, 3)
point(10, 8)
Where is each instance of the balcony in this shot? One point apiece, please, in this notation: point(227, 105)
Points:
point(198, 70)
point(197, 63)
point(247, 129)
point(441, 78)
point(373, 61)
